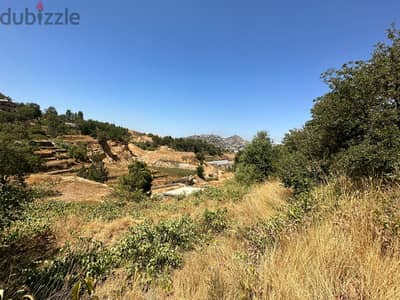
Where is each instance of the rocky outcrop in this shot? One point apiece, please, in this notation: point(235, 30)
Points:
point(233, 143)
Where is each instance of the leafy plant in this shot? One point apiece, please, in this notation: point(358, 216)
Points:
point(96, 172)
point(89, 259)
point(215, 221)
point(137, 182)
point(200, 171)
point(255, 162)
point(12, 201)
point(156, 248)
point(78, 152)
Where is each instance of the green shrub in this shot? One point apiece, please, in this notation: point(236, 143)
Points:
point(200, 171)
point(293, 169)
point(96, 172)
point(215, 221)
point(255, 162)
point(103, 131)
point(200, 156)
point(12, 201)
point(89, 259)
point(78, 152)
point(367, 160)
point(16, 159)
point(230, 191)
point(248, 174)
point(156, 248)
point(138, 181)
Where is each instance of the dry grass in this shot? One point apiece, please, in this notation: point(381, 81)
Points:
point(259, 204)
point(344, 257)
point(340, 259)
point(69, 228)
point(218, 269)
point(352, 251)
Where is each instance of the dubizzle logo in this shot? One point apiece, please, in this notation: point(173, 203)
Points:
point(27, 17)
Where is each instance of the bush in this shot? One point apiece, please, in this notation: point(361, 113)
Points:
point(254, 163)
point(366, 160)
point(200, 172)
point(355, 127)
point(96, 172)
point(293, 169)
point(16, 159)
point(12, 201)
point(78, 152)
point(156, 248)
point(137, 181)
point(215, 221)
point(90, 258)
point(248, 174)
point(103, 131)
point(200, 157)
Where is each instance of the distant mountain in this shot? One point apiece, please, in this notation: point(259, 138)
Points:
point(233, 143)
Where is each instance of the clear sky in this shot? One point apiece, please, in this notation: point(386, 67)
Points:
point(182, 67)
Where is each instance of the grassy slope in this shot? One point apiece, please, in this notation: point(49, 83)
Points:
point(347, 248)
point(344, 244)
point(201, 266)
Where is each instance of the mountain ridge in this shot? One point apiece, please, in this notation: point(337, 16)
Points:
point(232, 143)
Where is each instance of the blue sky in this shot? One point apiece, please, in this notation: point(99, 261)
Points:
point(182, 67)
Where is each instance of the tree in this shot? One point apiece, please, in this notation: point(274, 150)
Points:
point(27, 112)
point(69, 115)
point(79, 152)
point(355, 127)
point(138, 180)
point(96, 172)
point(200, 157)
point(200, 171)
point(255, 162)
point(80, 116)
point(50, 111)
point(16, 159)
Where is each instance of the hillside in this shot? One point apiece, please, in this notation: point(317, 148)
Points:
point(86, 210)
point(233, 143)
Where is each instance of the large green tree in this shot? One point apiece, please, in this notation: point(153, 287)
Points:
point(255, 162)
point(16, 159)
point(355, 127)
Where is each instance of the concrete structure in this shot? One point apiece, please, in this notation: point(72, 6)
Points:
point(183, 191)
point(7, 105)
point(225, 164)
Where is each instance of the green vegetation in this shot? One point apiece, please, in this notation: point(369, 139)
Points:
point(355, 127)
point(255, 162)
point(215, 221)
point(175, 172)
point(50, 123)
point(165, 248)
point(181, 144)
point(96, 172)
point(16, 159)
point(137, 182)
point(79, 152)
point(200, 172)
point(12, 201)
point(153, 249)
point(103, 131)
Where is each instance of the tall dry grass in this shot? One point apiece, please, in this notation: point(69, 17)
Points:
point(219, 265)
point(354, 253)
point(342, 258)
point(348, 249)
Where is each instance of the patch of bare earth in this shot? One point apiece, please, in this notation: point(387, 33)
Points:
point(72, 188)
